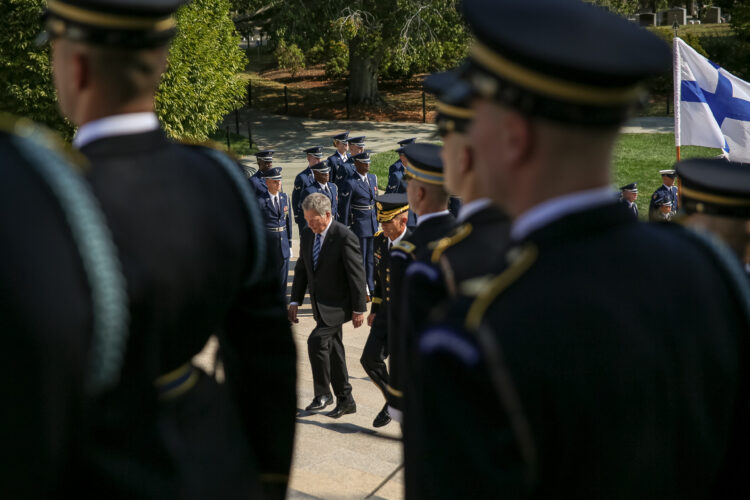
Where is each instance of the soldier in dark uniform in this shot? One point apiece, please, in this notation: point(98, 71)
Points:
point(321, 184)
point(397, 184)
point(274, 207)
point(304, 180)
point(398, 165)
point(392, 215)
point(356, 146)
point(667, 191)
point(660, 209)
point(341, 156)
point(357, 210)
point(265, 161)
point(716, 197)
point(192, 245)
point(562, 377)
point(63, 310)
point(429, 200)
point(628, 195)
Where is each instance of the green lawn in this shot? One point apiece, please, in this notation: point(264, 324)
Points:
point(638, 158)
point(238, 145)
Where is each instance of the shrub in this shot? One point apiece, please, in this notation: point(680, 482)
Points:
point(337, 60)
point(290, 57)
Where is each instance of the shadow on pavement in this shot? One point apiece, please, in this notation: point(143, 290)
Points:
point(342, 428)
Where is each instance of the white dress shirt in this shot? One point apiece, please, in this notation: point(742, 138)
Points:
point(124, 124)
point(556, 208)
point(426, 217)
point(472, 207)
point(400, 237)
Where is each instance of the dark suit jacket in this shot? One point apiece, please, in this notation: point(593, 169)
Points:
point(337, 285)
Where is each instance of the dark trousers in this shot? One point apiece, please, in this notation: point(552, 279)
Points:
point(325, 348)
point(373, 357)
point(366, 245)
point(284, 274)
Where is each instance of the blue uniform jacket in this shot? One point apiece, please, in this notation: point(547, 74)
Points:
point(671, 193)
point(343, 173)
point(278, 224)
point(397, 166)
point(303, 180)
point(258, 184)
point(315, 188)
point(356, 193)
point(396, 183)
point(337, 165)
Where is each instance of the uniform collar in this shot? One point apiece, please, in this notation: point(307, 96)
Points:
point(400, 237)
point(426, 217)
point(551, 210)
point(470, 208)
point(115, 125)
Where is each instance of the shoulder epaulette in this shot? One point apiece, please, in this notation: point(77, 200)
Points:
point(405, 247)
point(521, 262)
point(379, 233)
point(443, 244)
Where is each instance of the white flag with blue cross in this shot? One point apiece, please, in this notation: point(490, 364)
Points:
point(712, 106)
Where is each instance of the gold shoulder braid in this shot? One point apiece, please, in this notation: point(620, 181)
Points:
point(521, 263)
point(23, 127)
point(443, 244)
point(404, 246)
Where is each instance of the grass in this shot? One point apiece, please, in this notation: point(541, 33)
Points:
point(637, 158)
point(238, 145)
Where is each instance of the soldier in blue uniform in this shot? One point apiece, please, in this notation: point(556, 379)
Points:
point(303, 180)
point(322, 174)
point(398, 165)
point(666, 191)
point(341, 156)
point(357, 210)
point(396, 183)
point(265, 161)
point(392, 216)
point(660, 209)
point(356, 146)
point(628, 195)
point(274, 207)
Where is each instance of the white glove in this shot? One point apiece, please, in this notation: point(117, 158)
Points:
point(291, 253)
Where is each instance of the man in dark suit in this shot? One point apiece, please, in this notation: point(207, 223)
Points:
point(628, 195)
point(189, 235)
point(429, 200)
point(274, 208)
point(302, 181)
point(392, 215)
point(562, 375)
point(321, 184)
point(357, 210)
point(330, 267)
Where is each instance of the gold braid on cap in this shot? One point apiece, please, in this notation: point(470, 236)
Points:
point(387, 215)
point(111, 21)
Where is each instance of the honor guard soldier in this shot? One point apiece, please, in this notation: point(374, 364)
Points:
point(562, 376)
point(716, 197)
point(628, 195)
point(356, 146)
point(63, 311)
point(274, 207)
point(341, 156)
point(392, 215)
point(667, 191)
point(661, 208)
point(321, 184)
point(357, 210)
point(429, 200)
point(398, 165)
point(265, 161)
point(304, 180)
point(192, 246)
point(396, 182)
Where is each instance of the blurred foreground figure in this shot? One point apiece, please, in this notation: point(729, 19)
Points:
point(63, 311)
point(189, 235)
point(553, 379)
point(716, 197)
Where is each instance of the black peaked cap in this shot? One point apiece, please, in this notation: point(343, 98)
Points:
point(715, 186)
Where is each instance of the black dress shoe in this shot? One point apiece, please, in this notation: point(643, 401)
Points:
point(320, 402)
point(342, 409)
point(383, 418)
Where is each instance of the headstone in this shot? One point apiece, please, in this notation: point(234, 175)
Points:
point(647, 19)
point(712, 15)
point(692, 8)
point(661, 18)
point(676, 15)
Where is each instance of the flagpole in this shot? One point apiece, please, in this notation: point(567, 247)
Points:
point(677, 93)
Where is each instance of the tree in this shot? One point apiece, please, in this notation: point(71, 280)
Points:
point(200, 87)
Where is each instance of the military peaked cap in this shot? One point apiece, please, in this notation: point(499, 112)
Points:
point(453, 100)
point(715, 187)
point(315, 151)
point(363, 157)
point(272, 173)
point(425, 163)
point(265, 155)
point(633, 187)
point(390, 205)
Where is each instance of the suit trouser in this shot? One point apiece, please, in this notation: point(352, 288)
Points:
point(373, 357)
point(325, 348)
point(366, 245)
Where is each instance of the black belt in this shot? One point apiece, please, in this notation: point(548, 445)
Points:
point(276, 229)
point(363, 207)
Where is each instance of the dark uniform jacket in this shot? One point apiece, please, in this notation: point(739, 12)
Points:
point(633, 208)
point(278, 224)
point(337, 284)
point(337, 166)
point(189, 244)
point(397, 184)
point(332, 194)
point(397, 166)
point(381, 297)
point(414, 249)
point(343, 172)
point(564, 391)
point(357, 204)
point(303, 180)
point(259, 185)
point(669, 193)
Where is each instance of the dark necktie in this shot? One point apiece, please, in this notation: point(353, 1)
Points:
point(316, 251)
point(276, 204)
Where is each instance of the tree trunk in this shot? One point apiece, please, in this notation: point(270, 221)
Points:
point(363, 75)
